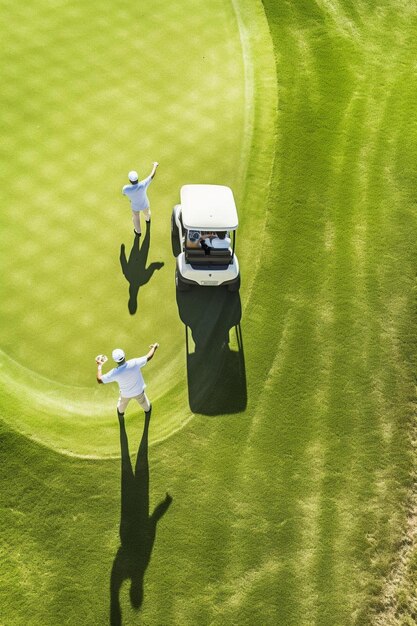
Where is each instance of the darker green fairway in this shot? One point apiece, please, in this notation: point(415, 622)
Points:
point(288, 497)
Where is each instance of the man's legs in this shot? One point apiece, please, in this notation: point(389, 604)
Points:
point(147, 214)
point(136, 222)
point(122, 405)
point(144, 401)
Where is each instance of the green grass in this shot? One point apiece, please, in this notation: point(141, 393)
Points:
point(96, 90)
point(90, 107)
point(289, 512)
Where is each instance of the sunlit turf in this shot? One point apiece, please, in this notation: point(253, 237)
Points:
point(96, 90)
point(93, 92)
point(288, 512)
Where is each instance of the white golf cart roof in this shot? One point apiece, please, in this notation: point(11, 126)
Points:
point(208, 207)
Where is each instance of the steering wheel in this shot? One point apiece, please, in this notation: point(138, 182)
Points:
point(194, 235)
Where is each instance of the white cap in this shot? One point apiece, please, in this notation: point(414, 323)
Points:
point(133, 176)
point(118, 355)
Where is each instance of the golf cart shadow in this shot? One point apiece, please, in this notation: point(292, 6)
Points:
point(215, 360)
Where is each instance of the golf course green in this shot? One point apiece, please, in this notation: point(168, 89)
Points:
point(273, 478)
point(87, 112)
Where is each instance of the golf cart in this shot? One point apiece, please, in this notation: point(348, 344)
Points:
point(205, 211)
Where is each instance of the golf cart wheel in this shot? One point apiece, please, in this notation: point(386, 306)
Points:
point(175, 236)
point(235, 285)
point(179, 283)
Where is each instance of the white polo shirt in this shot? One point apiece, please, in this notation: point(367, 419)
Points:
point(128, 376)
point(220, 244)
point(137, 194)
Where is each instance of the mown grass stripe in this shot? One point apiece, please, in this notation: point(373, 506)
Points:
point(363, 428)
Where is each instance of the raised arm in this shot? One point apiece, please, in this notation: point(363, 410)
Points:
point(153, 349)
point(155, 165)
point(99, 368)
point(100, 359)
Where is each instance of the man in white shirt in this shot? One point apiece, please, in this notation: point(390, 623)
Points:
point(136, 192)
point(220, 241)
point(129, 377)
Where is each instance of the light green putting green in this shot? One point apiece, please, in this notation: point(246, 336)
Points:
point(97, 90)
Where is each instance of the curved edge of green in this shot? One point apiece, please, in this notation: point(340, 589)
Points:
point(260, 134)
point(70, 419)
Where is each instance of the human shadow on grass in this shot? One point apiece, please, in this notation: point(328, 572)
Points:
point(137, 527)
point(134, 268)
point(216, 373)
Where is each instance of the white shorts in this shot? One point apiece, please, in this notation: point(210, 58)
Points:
point(136, 218)
point(142, 399)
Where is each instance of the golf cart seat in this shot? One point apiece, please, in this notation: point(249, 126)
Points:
point(194, 253)
point(216, 257)
point(220, 253)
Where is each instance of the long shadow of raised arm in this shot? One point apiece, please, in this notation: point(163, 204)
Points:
point(137, 527)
